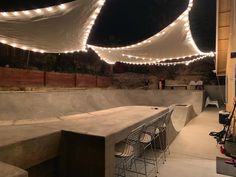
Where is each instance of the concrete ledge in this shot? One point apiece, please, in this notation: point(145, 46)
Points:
point(17, 107)
point(11, 171)
point(26, 146)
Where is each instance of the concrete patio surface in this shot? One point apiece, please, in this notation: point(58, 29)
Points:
point(193, 152)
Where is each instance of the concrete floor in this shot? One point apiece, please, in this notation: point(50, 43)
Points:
point(193, 152)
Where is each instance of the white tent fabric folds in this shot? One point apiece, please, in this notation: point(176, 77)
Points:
point(57, 29)
point(173, 45)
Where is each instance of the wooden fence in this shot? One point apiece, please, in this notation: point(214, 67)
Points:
point(33, 78)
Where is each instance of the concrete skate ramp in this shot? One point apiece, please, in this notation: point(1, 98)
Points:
point(181, 116)
point(52, 105)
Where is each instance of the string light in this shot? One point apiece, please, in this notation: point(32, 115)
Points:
point(166, 63)
point(3, 41)
point(39, 11)
point(49, 9)
point(16, 13)
point(62, 6)
point(5, 14)
point(24, 48)
point(14, 45)
point(164, 59)
point(26, 12)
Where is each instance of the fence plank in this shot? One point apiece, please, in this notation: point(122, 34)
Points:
point(21, 77)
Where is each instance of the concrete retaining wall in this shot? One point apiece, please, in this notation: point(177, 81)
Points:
point(39, 105)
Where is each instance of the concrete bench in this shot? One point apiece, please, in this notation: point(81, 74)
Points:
point(28, 146)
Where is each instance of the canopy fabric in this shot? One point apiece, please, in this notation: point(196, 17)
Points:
point(57, 29)
point(175, 42)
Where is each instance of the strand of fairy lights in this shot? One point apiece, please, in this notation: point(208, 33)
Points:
point(30, 13)
point(61, 7)
point(164, 59)
point(166, 63)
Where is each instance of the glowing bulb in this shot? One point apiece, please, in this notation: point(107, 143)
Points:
point(26, 12)
point(38, 11)
point(13, 45)
point(49, 9)
point(185, 19)
point(16, 13)
point(24, 48)
point(97, 10)
point(101, 2)
point(42, 51)
point(4, 14)
point(34, 50)
point(172, 24)
point(3, 41)
point(94, 17)
point(62, 6)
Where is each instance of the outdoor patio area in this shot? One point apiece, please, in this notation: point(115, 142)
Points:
point(117, 88)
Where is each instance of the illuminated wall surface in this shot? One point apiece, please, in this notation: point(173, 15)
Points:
point(223, 32)
point(226, 47)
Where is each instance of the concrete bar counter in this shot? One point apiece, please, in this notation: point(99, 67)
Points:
point(83, 143)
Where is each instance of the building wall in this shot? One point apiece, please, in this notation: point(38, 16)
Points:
point(231, 62)
point(223, 35)
point(224, 46)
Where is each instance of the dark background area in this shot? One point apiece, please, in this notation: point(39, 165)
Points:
point(121, 22)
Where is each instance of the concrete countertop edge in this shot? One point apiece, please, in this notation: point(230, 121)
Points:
point(11, 171)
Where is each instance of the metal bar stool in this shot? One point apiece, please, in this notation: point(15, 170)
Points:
point(149, 138)
point(165, 128)
point(157, 138)
point(127, 153)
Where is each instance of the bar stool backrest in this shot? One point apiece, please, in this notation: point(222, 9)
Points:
point(132, 141)
point(152, 126)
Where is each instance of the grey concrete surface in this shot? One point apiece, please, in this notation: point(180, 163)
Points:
point(16, 107)
point(11, 171)
point(193, 152)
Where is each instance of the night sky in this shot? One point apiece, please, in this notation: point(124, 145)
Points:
point(124, 22)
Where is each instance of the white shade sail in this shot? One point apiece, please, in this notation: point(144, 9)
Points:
point(173, 43)
point(57, 29)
